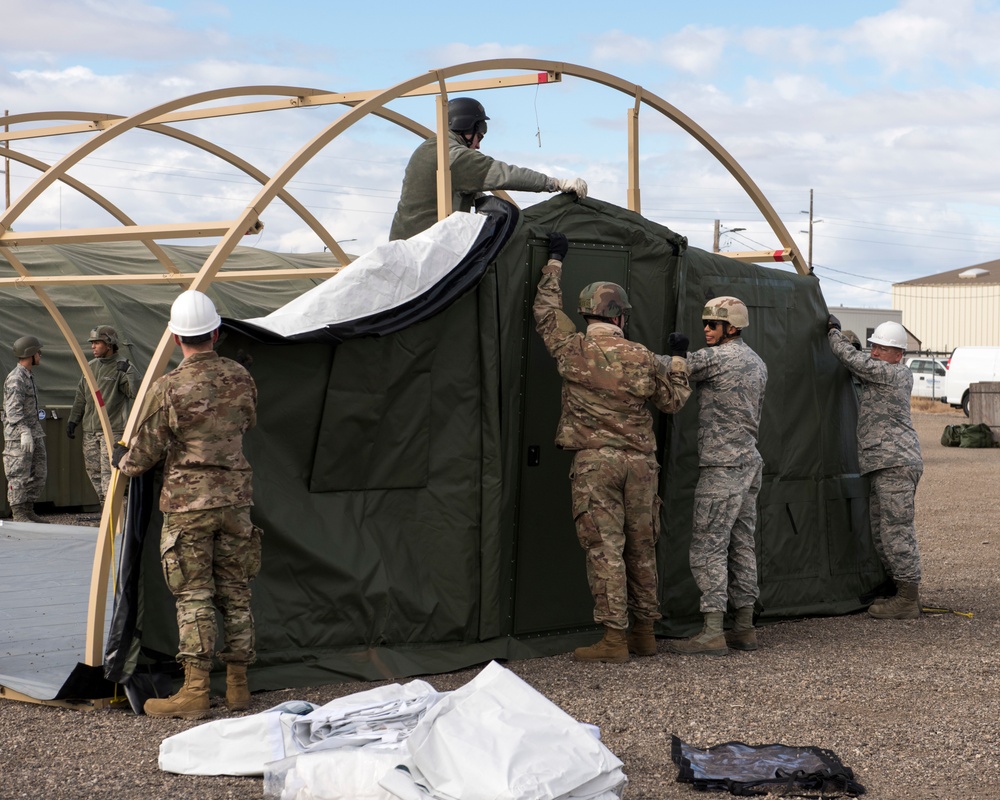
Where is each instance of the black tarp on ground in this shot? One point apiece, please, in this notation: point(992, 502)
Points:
point(416, 512)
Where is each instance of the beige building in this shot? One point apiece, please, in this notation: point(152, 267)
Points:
point(952, 309)
point(864, 321)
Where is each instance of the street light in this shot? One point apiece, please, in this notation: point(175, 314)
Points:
point(719, 230)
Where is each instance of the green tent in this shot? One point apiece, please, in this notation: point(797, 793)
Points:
point(416, 511)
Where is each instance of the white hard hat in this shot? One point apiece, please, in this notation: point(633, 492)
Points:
point(889, 334)
point(192, 314)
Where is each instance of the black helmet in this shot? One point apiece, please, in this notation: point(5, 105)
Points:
point(26, 346)
point(466, 115)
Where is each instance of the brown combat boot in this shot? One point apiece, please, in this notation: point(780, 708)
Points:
point(710, 642)
point(613, 648)
point(905, 605)
point(237, 690)
point(191, 702)
point(641, 639)
point(742, 636)
point(25, 512)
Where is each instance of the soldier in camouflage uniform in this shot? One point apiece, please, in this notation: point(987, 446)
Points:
point(24, 460)
point(606, 382)
point(889, 453)
point(194, 419)
point(472, 173)
point(729, 378)
point(117, 381)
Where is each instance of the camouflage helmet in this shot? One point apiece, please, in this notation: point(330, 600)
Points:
point(26, 346)
point(106, 334)
point(730, 310)
point(604, 299)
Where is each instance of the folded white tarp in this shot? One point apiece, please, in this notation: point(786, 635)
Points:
point(244, 745)
point(350, 773)
point(383, 279)
point(235, 746)
point(386, 714)
point(497, 738)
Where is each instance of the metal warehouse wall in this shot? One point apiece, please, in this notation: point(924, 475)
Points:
point(948, 316)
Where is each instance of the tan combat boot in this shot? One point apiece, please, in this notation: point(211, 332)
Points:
point(191, 702)
point(613, 648)
point(742, 636)
point(710, 642)
point(905, 605)
point(23, 512)
point(641, 639)
point(237, 690)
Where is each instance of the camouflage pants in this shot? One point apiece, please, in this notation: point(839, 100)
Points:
point(617, 515)
point(890, 508)
point(723, 556)
point(209, 558)
point(26, 473)
point(96, 461)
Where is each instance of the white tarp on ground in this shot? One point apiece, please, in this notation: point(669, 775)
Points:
point(383, 279)
point(495, 738)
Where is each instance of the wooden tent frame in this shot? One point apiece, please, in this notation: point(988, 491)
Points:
point(205, 105)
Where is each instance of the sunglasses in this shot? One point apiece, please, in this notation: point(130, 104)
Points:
point(711, 324)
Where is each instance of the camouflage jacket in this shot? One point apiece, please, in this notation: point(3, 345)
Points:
point(886, 437)
point(606, 378)
point(472, 172)
point(116, 388)
point(730, 381)
point(20, 405)
point(194, 419)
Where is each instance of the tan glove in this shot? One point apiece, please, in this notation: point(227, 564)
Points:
point(577, 186)
point(27, 443)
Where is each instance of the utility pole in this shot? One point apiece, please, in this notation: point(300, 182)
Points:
point(810, 231)
point(6, 163)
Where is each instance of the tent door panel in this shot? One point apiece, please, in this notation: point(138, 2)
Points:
point(375, 430)
point(551, 590)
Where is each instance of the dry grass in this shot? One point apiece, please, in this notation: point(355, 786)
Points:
point(927, 405)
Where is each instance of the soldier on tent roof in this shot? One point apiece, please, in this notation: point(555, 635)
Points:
point(472, 173)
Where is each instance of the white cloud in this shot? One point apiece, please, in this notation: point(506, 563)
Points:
point(694, 49)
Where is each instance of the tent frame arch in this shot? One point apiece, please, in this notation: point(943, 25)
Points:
point(107, 127)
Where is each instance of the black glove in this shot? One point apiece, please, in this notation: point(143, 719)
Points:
point(558, 245)
point(118, 453)
point(70, 430)
point(122, 366)
point(678, 343)
point(832, 322)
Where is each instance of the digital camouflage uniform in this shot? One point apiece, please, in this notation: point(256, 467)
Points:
point(117, 388)
point(889, 453)
point(472, 173)
point(729, 380)
point(26, 472)
point(606, 382)
point(195, 418)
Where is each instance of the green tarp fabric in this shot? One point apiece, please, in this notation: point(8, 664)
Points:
point(416, 511)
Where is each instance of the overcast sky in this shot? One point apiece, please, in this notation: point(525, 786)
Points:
point(888, 111)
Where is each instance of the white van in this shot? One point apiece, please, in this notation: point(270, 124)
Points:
point(969, 365)
point(928, 376)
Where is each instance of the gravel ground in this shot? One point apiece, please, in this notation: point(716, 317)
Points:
point(910, 706)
